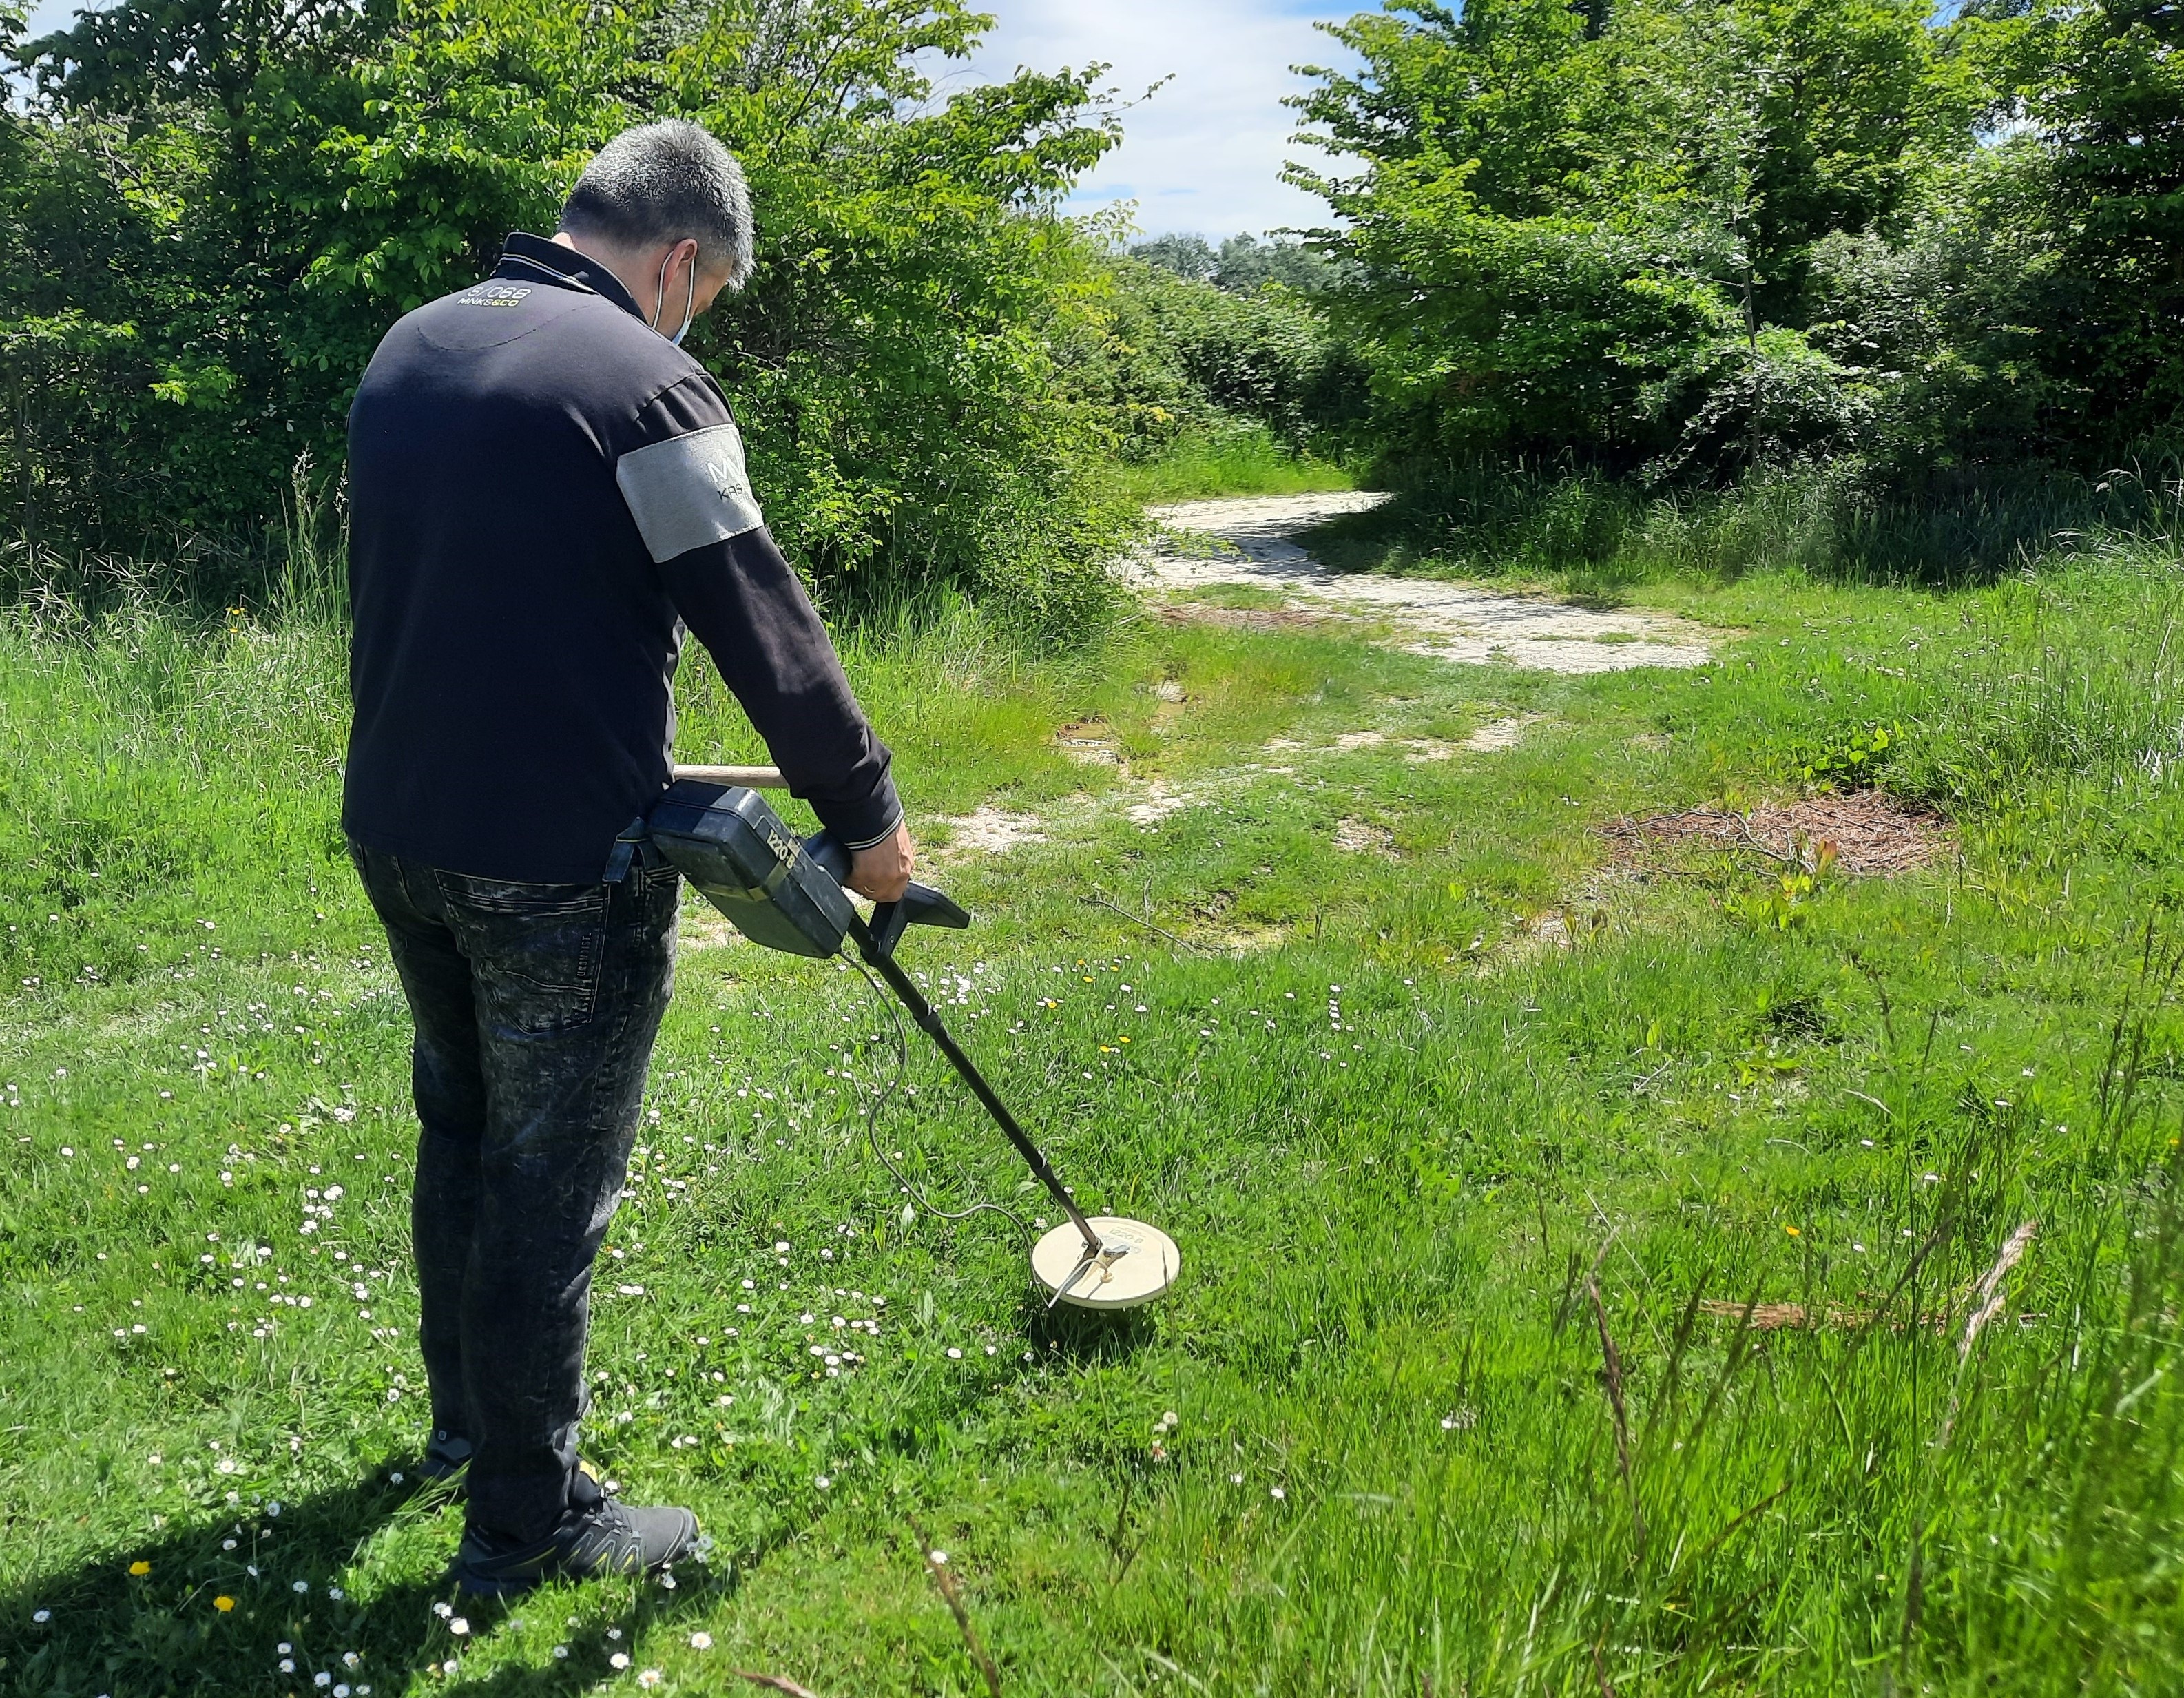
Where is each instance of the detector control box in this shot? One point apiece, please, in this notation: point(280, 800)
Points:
point(741, 857)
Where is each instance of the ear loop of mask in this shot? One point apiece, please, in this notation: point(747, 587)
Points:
point(689, 299)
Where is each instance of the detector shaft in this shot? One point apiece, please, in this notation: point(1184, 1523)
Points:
point(929, 1022)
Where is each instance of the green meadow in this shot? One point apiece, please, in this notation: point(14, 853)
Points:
point(1610, 1266)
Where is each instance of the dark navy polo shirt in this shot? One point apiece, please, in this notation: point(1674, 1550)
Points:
point(543, 492)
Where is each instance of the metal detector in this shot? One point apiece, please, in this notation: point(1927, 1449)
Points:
point(785, 892)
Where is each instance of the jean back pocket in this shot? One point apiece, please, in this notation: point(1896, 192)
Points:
point(536, 951)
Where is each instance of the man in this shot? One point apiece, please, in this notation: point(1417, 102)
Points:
point(544, 491)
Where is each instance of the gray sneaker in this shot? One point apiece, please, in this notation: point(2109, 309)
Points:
point(597, 1536)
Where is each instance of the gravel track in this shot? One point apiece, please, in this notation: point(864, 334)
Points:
point(1451, 621)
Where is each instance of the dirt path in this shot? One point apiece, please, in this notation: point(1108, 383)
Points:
point(1454, 621)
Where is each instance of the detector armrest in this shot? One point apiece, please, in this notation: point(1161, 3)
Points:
point(920, 905)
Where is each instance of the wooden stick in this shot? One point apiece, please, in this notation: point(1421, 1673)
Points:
point(750, 778)
point(776, 1683)
point(936, 1564)
point(1612, 1366)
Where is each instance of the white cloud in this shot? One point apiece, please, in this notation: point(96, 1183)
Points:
point(1206, 153)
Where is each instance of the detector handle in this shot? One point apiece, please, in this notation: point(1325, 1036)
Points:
point(747, 778)
point(919, 905)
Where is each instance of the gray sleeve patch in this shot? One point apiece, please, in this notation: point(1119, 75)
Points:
point(688, 491)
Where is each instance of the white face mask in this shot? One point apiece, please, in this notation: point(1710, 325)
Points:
point(689, 299)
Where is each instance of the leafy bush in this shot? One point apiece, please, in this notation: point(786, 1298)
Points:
point(1853, 759)
point(1234, 459)
point(215, 212)
point(1693, 241)
point(1595, 534)
point(1177, 358)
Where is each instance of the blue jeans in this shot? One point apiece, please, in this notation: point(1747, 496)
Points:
point(535, 1007)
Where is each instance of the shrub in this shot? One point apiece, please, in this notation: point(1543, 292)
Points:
point(215, 213)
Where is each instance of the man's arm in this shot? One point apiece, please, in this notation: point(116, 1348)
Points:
point(743, 602)
point(687, 490)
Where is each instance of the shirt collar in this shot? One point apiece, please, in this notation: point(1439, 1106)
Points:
point(525, 255)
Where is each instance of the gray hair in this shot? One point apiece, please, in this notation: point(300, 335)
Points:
point(661, 182)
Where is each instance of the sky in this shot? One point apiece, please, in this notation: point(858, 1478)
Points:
point(1204, 153)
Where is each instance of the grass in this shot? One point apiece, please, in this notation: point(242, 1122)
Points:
point(1446, 1413)
point(1599, 538)
point(1244, 460)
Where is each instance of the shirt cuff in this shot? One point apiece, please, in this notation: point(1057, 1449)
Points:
point(861, 826)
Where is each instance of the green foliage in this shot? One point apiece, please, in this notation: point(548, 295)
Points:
point(1242, 264)
point(1175, 359)
point(1592, 230)
point(1229, 459)
point(1853, 759)
point(1192, 258)
point(2100, 94)
point(1694, 241)
point(1595, 535)
point(1782, 905)
point(234, 200)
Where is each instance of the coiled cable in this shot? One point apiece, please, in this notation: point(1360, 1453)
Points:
point(880, 1100)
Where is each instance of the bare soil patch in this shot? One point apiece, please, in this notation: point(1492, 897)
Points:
point(1501, 733)
point(990, 831)
point(1362, 837)
point(1160, 802)
point(700, 926)
point(1867, 832)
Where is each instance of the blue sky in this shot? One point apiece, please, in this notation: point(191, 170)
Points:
point(1206, 152)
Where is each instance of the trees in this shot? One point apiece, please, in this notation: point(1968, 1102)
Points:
point(234, 198)
point(1593, 230)
point(2097, 91)
point(1242, 264)
point(1172, 355)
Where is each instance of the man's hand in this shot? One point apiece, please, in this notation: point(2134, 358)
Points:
point(883, 871)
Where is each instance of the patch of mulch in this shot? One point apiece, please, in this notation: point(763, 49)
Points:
point(1868, 831)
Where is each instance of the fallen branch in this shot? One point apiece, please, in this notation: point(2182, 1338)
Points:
point(778, 1683)
point(1770, 1317)
point(1613, 1375)
point(936, 1564)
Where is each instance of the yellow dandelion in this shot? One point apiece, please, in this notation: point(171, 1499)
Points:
point(1791, 1230)
point(223, 1603)
point(140, 1567)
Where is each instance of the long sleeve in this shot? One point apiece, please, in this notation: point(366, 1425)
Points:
point(687, 490)
point(742, 601)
